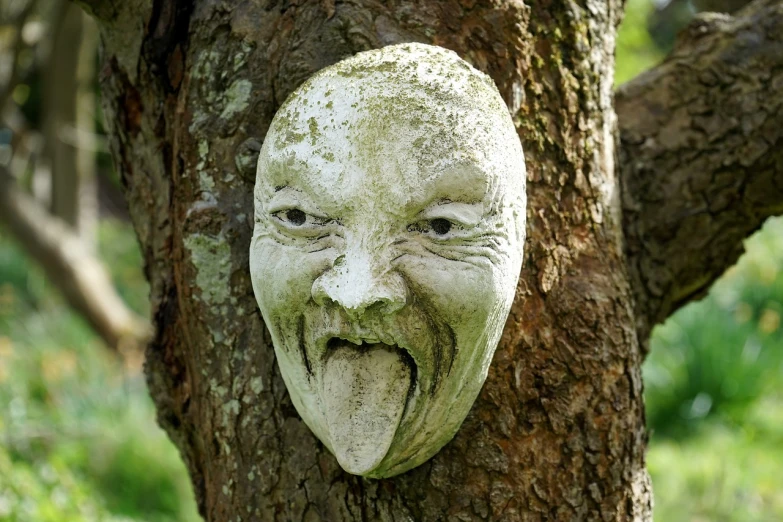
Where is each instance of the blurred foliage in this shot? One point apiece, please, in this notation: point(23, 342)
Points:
point(48, 492)
point(719, 356)
point(666, 21)
point(636, 50)
point(723, 472)
point(78, 439)
point(714, 394)
point(119, 248)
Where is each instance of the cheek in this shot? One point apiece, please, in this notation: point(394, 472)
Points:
point(283, 277)
point(462, 295)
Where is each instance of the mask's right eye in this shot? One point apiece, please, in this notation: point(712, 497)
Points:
point(297, 222)
point(440, 226)
point(293, 216)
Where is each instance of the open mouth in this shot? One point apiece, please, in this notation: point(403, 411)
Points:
point(363, 346)
point(365, 391)
point(335, 343)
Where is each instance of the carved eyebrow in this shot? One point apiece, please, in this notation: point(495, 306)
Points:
point(462, 181)
point(285, 197)
point(288, 197)
point(468, 214)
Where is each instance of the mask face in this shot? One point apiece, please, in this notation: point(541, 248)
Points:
point(389, 226)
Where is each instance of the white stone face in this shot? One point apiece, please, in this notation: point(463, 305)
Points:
point(389, 226)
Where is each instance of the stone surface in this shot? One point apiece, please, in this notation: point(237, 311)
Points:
point(389, 227)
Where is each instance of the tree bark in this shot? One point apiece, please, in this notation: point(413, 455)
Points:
point(701, 160)
point(557, 433)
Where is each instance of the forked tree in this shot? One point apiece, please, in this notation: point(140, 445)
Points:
point(621, 232)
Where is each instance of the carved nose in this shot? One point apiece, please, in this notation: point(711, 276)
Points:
point(357, 285)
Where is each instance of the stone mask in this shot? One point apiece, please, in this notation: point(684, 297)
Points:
point(389, 226)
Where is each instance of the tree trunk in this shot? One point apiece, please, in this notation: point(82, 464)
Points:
point(558, 431)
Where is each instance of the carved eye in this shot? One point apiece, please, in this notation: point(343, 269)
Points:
point(440, 226)
point(295, 216)
point(297, 222)
point(449, 221)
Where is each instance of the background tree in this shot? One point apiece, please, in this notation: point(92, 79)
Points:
point(69, 116)
point(558, 432)
point(57, 165)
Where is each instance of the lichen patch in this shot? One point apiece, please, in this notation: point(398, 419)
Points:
point(211, 256)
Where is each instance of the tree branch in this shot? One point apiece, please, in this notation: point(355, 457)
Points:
point(701, 155)
point(80, 277)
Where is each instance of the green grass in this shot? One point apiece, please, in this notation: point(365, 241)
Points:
point(723, 472)
point(78, 439)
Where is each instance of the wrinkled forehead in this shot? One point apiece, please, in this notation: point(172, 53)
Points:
point(401, 122)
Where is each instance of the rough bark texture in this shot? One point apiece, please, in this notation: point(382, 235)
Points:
point(702, 156)
point(558, 431)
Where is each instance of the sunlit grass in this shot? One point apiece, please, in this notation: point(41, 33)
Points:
point(723, 472)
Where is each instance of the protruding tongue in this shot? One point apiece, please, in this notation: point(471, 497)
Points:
point(364, 394)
